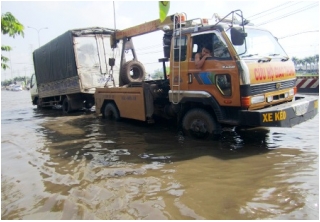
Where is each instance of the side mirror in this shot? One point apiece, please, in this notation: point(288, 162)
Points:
point(167, 43)
point(237, 35)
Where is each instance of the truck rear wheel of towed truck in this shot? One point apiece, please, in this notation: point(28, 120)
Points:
point(132, 71)
point(39, 103)
point(199, 124)
point(66, 106)
point(111, 112)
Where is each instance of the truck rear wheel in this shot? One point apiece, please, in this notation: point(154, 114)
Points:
point(199, 124)
point(66, 106)
point(132, 71)
point(110, 111)
point(39, 103)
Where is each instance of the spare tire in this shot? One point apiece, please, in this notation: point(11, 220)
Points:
point(132, 71)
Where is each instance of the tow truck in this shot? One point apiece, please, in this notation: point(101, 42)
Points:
point(249, 81)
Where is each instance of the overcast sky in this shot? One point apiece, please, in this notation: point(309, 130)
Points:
point(295, 23)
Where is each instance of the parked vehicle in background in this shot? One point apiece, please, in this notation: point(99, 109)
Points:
point(17, 88)
point(14, 87)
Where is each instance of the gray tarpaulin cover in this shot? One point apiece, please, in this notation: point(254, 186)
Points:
point(56, 59)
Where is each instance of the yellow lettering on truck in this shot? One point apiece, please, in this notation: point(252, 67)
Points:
point(278, 116)
point(267, 117)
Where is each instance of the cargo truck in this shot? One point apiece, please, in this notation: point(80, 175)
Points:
point(70, 67)
point(249, 81)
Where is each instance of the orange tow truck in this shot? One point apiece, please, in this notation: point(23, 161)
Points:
point(249, 81)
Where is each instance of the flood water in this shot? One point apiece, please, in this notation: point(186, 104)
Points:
point(81, 166)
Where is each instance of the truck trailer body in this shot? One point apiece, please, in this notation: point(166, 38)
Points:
point(70, 67)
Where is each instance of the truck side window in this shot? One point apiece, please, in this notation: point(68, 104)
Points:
point(220, 49)
point(223, 83)
point(180, 42)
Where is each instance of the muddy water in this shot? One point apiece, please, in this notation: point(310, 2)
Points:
point(83, 167)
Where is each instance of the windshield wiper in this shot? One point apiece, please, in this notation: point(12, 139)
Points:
point(250, 55)
point(283, 58)
point(265, 59)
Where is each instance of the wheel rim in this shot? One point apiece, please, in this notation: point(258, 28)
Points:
point(199, 128)
point(110, 114)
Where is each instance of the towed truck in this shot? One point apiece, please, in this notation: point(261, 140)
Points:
point(70, 67)
point(249, 81)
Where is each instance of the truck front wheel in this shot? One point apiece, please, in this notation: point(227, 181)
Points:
point(199, 124)
point(111, 112)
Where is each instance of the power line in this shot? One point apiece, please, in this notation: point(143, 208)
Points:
point(268, 10)
point(150, 52)
point(297, 34)
point(148, 47)
point(292, 13)
point(276, 10)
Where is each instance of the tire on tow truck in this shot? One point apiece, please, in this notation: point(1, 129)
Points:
point(132, 71)
point(200, 124)
point(110, 111)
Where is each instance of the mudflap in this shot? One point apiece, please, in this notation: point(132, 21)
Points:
point(283, 115)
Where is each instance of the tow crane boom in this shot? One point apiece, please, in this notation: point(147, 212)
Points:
point(144, 28)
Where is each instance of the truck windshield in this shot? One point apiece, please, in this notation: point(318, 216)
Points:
point(259, 43)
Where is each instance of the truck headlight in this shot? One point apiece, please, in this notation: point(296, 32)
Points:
point(286, 95)
point(291, 92)
point(269, 99)
point(257, 99)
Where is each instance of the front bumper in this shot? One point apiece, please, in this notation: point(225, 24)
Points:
point(283, 115)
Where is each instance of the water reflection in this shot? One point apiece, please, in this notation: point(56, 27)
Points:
point(83, 167)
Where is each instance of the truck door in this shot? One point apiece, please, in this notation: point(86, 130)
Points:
point(219, 75)
point(91, 61)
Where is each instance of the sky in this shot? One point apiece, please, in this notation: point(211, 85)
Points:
point(294, 23)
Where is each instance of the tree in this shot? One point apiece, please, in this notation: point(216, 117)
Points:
point(12, 27)
point(295, 61)
point(308, 61)
point(158, 73)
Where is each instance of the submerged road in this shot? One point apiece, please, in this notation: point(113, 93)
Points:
point(84, 167)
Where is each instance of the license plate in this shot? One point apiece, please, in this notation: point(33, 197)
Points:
point(301, 108)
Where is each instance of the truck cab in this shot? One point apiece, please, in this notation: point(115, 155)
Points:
point(252, 75)
point(34, 90)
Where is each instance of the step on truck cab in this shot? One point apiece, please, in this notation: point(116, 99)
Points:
point(248, 81)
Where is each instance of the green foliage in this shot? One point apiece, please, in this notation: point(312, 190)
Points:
point(12, 27)
point(307, 61)
point(25, 79)
point(158, 73)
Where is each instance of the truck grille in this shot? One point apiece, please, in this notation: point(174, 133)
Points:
point(269, 87)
